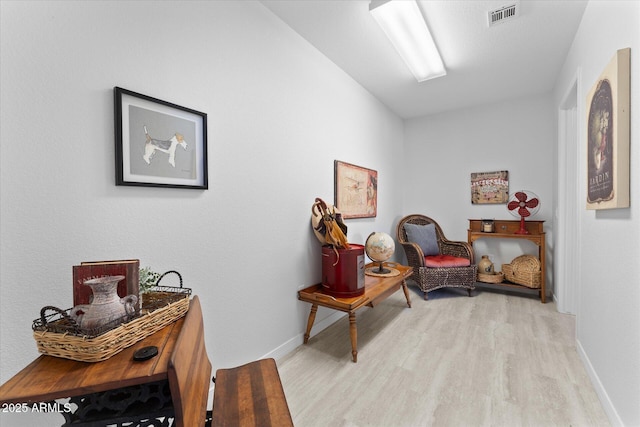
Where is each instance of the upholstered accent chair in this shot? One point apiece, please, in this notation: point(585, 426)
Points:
point(437, 261)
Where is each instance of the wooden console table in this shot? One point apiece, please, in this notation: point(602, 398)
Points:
point(376, 289)
point(506, 229)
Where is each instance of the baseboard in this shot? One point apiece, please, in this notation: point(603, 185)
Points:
point(326, 322)
point(298, 340)
point(607, 405)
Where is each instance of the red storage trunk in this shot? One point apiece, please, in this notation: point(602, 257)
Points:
point(346, 278)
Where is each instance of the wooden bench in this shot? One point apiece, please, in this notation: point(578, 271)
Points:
point(250, 395)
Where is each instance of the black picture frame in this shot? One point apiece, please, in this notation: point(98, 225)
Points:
point(158, 143)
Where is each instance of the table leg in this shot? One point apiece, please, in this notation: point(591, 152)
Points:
point(406, 292)
point(353, 330)
point(312, 318)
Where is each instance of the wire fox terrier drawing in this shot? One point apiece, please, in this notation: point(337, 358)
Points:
point(168, 147)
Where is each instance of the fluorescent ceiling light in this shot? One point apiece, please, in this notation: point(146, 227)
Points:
point(403, 23)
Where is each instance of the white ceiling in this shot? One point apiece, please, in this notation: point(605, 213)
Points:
point(484, 64)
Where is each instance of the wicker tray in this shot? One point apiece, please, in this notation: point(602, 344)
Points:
point(523, 270)
point(58, 335)
point(498, 277)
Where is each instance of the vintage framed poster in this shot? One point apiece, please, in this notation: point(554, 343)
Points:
point(489, 187)
point(356, 190)
point(159, 144)
point(607, 110)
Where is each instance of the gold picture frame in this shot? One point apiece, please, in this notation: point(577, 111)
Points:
point(356, 190)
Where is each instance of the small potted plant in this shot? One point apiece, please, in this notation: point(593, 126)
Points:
point(148, 279)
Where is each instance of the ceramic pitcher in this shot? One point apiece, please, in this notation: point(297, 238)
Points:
point(106, 306)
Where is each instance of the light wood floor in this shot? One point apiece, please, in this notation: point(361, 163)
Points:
point(494, 359)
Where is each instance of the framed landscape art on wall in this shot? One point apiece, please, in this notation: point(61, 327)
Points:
point(356, 190)
point(607, 110)
point(159, 144)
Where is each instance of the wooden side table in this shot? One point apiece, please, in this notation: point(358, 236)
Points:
point(376, 289)
point(107, 392)
point(505, 229)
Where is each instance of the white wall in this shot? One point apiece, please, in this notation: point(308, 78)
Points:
point(442, 150)
point(279, 114)
point(608, 318)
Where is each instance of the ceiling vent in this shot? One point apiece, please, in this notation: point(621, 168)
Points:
point(505, 13)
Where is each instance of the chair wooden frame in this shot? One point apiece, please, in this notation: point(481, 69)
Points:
point(431, 278)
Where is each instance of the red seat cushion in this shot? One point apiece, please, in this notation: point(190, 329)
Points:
point(445, 261)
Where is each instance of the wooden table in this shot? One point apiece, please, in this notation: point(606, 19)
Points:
point(376, 289)
point(506, 229)
point(48, 378)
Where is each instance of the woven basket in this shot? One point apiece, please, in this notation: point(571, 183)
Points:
point(498, 277)
point(523, 270)
point(58, 335)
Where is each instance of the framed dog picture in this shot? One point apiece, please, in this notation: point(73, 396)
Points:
point(159, 144)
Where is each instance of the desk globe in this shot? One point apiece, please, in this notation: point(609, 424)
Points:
point(380, 247)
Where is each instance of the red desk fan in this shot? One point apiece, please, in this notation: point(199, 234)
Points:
point(523, 204)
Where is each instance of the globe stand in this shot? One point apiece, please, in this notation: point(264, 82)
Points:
point(381, 269)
